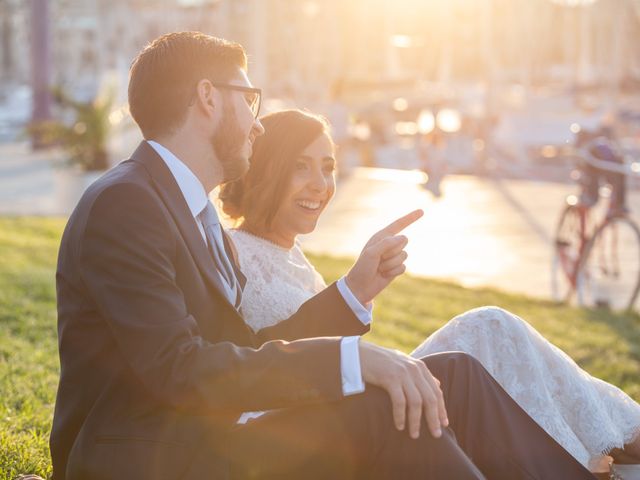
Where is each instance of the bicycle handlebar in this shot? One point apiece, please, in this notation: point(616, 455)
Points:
point(627, 169)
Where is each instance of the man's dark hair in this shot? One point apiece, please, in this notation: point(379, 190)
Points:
point(164, 75)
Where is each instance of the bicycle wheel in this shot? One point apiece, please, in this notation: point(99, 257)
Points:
point(609, 272)
point(568, 245)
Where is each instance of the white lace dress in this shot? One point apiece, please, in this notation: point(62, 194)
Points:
point(587, 416)
point(279, 280)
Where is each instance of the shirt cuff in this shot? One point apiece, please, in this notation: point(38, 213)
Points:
point(350, 366)
point(364, 313)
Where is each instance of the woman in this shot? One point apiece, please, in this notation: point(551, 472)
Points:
point(289, 184)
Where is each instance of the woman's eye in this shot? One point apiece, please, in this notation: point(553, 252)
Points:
point(301, 165)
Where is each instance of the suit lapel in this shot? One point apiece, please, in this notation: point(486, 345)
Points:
point(172, 197)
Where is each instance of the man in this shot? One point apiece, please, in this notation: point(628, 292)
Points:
point(157, 364)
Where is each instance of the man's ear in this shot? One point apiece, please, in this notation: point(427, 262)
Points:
point(205, 96)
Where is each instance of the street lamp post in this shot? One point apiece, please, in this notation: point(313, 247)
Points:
point(6, 40)
point(40, 65)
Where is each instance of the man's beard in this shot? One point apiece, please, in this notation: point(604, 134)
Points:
point(228, 142)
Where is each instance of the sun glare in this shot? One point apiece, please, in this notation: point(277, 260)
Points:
point(448, 120)
point(401, 41)
point(400, 104)
point(406, 128)
point(426, 121)
point(574, 3)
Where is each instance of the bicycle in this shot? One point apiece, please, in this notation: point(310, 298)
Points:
point(597, 247)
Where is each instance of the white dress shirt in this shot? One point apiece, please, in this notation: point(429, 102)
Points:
point(196, 198)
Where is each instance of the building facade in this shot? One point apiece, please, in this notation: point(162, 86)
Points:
point(300, 48)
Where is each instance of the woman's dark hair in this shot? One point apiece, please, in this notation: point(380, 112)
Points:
point(257, 195)
point(164, 75)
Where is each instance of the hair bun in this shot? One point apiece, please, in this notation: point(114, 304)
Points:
point(231, 197)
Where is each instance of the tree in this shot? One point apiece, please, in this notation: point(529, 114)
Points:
point(85, 136)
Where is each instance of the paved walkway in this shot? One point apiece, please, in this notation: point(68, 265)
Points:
point(477, 233)
point(39, 183)
point(482, 232)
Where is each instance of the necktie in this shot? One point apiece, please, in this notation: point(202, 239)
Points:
point(215, 239)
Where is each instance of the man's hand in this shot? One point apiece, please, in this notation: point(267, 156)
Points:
point(381, 260)
point(410, 385)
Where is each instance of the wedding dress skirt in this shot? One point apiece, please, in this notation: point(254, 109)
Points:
point(586, 415)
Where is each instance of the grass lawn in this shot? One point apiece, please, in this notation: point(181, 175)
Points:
point(605, 344)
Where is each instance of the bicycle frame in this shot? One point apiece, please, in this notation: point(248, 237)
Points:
point(570, 266)
point(582, 261)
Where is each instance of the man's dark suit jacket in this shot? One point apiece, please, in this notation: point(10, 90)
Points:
point(154, 361)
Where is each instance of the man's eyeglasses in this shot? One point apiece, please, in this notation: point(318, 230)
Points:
point(252, 95)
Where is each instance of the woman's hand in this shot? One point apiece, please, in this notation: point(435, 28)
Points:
point(381, 260)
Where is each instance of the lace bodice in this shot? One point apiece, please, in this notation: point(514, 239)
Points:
point(278, 280)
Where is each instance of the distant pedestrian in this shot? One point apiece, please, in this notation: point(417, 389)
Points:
point(337, 112)
point(432, 152)
point(599, 146)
